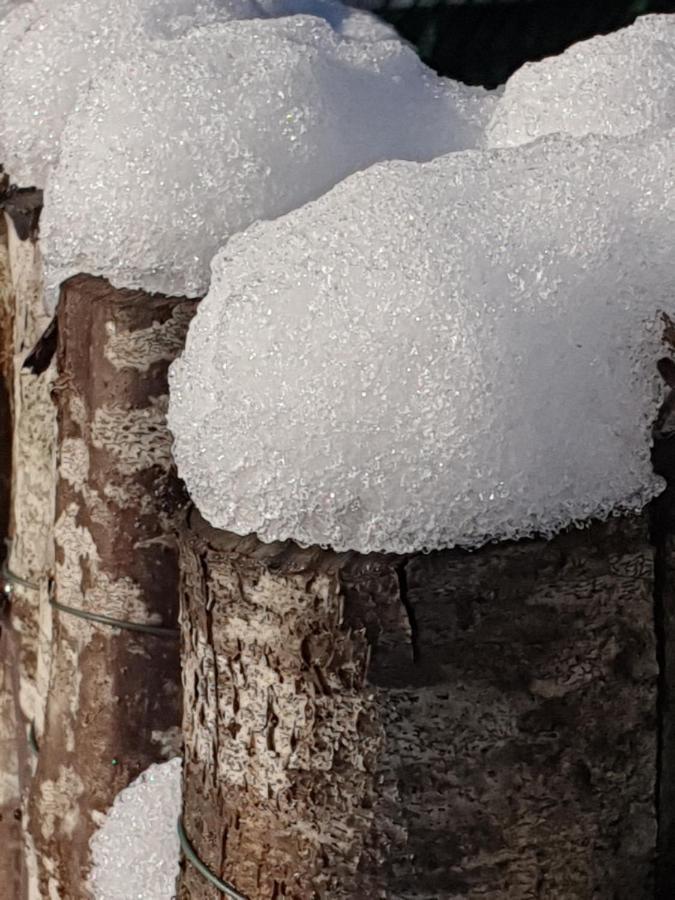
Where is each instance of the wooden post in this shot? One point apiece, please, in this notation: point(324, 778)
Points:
point(33, 476)
point(663, 533)
point(6, 347)
point(449, 725)
point(31, 506)
point(11, 850)
point(114, 694)
point(11, 842)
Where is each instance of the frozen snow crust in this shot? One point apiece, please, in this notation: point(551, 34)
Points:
point(439, 354)
point(50, 50)
point(615, 84)
point(175, 150)
point(136, 851)
point(429, 355)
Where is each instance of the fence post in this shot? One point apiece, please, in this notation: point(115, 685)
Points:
point(114, 693)
point(450, 724)
point(31, 509)
point(11, 849)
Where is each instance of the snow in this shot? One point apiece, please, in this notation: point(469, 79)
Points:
point(50, 50)
point(136, 851)
point(173, 152)
point(614, 84)
point(6, 6)
point(437, 354)
point(433, 353)
point(54, 49)
point(15, 19)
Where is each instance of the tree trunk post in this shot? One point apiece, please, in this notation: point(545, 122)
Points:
point(31, 509)
point(11, 848)
point(33, 477)
point(114, 693)
point(6, 359)
point(450, 725)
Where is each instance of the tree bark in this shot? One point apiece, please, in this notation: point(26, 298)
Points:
point(31, 555)
point(114, 694)
point(452, 725)
point(11, 842)
point(6, 353)
point(33, 477)
point(11, 850)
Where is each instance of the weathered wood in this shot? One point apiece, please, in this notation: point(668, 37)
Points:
point(441, 726)
point(33, 478)
point(32, 497)
point(10, 787)
point(11, 841)
point(666, 630)
point(662, 520)
point(114, 694)
point(6, 354)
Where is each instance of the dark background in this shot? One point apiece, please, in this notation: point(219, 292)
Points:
point(484, 41)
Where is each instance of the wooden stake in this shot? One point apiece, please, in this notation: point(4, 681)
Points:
point(455, 724)
point(114, 694)
point(11, 850)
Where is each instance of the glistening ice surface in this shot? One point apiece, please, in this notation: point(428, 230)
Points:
point(195, 139)
point(135, 852)
point(50, 50)
point(436, 354)
point(614, 84)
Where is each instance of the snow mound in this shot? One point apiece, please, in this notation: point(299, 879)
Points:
point(615, 84)
point(136, 851)
point(173, 152)
point(54, 49)
point(6, 6)
point(50, 50)
point(436, 354)
point(15, 19)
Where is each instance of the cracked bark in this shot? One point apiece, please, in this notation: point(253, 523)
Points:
point(114, 695)
point(442, 726)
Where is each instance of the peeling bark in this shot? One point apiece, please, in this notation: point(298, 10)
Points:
point(32, 498)
point(113, 694)
point(441, 726)
point(33, 479)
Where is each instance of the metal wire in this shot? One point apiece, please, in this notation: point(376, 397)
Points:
point(9, 579)
point(155, 630)
point(192, 857)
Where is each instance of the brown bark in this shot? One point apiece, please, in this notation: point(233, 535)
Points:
point(440, 726)
point(114, 695)
point(663, 530)
point(666, 624)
